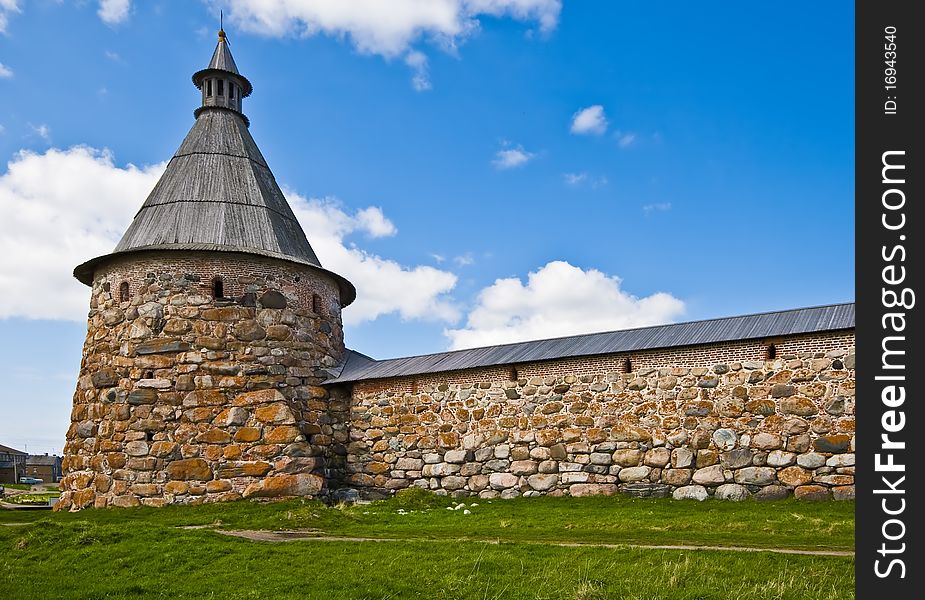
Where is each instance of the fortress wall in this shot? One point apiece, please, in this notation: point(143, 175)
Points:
point(719, 420)
point(185, 398)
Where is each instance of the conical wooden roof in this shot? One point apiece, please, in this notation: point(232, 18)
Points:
point(218, 194)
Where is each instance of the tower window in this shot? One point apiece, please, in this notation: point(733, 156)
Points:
point(123, 292)
point(221, 87)
point(513, 375)
point(627, 365)
point(209, 88)
point(218, 287)
point(231, 87)
point(316, 304)
point(770, 352)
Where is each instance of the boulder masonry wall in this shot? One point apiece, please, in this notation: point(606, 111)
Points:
point(185, 397)
point(718, 420)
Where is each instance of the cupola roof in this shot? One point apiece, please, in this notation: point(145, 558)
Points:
point(217, 192)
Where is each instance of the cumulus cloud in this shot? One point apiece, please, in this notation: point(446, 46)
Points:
point(589, 121)
point(583, 178)
point(56, 210)
point(385, 28)
point(558, 300)
point(7, 7)
point(418, 63)
point(510, 157)
point(113, 12)
point(42, 130)
point(5, 71)
point(625, 140)
point(384, 286)
point(390, 28)
point(61, 207)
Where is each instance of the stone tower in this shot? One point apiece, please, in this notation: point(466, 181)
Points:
point(211, 326)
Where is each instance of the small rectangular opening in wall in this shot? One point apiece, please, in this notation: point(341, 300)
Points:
point(221, 87)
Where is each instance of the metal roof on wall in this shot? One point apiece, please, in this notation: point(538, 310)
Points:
point(763, 325)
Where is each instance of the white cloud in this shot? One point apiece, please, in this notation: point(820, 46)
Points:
point(49, 224)
point(113, 12)
point(43, 131)
point(385, 28)
point(625, 140)
point(374, 222)
point(575, 178)
point(510, 157)
point(383, 286)
point(56, 210)
point(589, 121)
point(558, 300)
point(7, 7)
point(656, 207)
point(5, 72)
point(464, 260)
point(583, 178)
point(113, 56)
point(418, 63)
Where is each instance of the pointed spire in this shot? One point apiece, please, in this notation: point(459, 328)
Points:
point(221, 83)
point(217, 193)
point(221, 58)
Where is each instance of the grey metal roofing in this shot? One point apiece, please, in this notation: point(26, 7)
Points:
point(218, 194)
point(764, 325)
point(36, 459)
point(8, 450)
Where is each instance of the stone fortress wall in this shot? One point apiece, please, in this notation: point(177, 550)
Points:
point(187, 398)
point(720, 420)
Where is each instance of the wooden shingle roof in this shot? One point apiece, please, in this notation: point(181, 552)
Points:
point(218, 194)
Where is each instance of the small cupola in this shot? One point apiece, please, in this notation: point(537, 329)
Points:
point(221, 84)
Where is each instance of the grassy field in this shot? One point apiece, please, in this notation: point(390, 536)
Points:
point(502, 549)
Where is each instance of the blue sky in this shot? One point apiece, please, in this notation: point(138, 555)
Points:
point(711, 175)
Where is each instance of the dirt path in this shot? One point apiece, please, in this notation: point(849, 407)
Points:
point(318, 536)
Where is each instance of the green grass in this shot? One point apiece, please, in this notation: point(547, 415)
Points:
point(141, 553)
point(19, 486)
point(38, 498)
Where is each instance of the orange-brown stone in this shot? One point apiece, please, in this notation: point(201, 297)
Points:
point(258, 397)
point(247, 434)
point(189, 469)
point(277, 413)
point(281, 435)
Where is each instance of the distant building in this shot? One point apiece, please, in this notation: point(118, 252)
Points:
point(45, 467)
point(12, 464)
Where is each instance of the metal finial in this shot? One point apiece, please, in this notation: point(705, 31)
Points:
point(221, 26)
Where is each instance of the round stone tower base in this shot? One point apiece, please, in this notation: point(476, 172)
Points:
point(185, 398)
